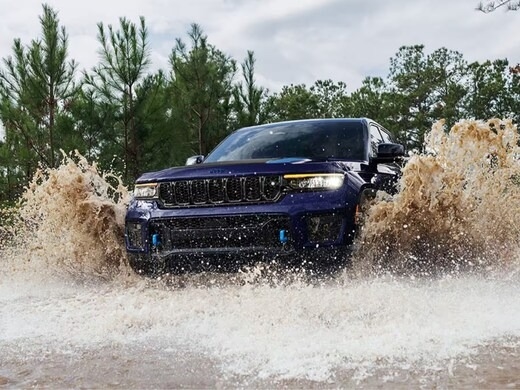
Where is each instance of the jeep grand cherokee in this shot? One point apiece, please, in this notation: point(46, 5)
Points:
point(288, 190)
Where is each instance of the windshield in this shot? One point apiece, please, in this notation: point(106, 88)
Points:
point(313, 140)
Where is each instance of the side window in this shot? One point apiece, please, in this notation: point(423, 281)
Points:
point(375, 138)
point(386, 137)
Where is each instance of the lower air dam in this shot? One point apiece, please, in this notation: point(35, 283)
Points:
point(430, 301)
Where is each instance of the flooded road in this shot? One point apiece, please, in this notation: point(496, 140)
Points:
point(218, 330)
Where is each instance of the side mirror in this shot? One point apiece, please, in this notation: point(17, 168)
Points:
point(193, 160)
point(389, 151)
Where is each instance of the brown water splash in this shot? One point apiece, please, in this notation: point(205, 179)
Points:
point(70, 219)
point(458, 206)
point(457, 209)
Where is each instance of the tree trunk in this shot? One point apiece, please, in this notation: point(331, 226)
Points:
point(52, 108)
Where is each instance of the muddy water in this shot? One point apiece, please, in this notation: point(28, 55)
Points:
point(457, 208)
point(433, 300)
point(213, 331)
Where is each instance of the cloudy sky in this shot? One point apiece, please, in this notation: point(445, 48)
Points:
point(295, 41)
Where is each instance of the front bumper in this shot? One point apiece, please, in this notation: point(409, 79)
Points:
point(298, 223)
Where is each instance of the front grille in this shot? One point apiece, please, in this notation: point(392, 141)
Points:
point(200, 194)
point(221, 232)
point(216, 190)
point(220, 191)
point(182, 193)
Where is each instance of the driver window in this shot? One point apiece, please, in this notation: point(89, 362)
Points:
point(386, 137)
point(375, 139)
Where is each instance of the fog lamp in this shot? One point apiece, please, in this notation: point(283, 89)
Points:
point(133, 235)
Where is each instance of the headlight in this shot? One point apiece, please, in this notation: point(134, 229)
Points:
point(315, 181)
point(145, 191)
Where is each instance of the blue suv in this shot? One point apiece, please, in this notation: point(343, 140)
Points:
point(291, 191)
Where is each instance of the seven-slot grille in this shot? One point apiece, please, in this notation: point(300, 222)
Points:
point(220, 191)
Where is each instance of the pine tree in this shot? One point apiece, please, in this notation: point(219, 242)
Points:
point(124, 59)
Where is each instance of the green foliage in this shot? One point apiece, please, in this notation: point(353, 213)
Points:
point(124, 58)
point(371, 100)
point(294, 102)
point(154, 123)
point(323, 99)
point(36, 91)
point(201, 86)
point(249, 100)
point(488, 93)
point(131, 120)
point(332, 98)
point(425, 88)
point(51, 80)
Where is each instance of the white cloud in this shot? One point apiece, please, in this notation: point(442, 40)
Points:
point(295, 41)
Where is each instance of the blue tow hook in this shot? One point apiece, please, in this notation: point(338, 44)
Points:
point(283, 236)
point(156, 240)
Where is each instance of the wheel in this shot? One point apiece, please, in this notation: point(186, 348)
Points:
point(366, 200)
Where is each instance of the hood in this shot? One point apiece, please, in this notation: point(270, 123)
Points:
point(245, 168)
